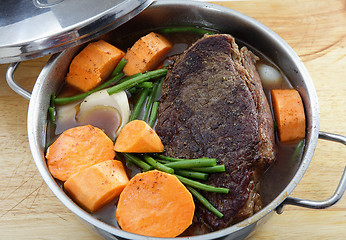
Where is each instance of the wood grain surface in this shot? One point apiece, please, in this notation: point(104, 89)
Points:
point(316, 30)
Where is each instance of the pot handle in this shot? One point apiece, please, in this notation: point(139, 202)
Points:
point(13, 84)
point(338, 192)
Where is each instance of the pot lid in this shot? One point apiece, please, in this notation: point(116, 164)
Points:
point(32, 29)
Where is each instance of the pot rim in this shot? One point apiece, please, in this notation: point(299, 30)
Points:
point(310, 144)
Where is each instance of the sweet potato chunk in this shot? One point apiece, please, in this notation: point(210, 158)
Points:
point(138, 137)
point(78, 148)
point(155, 204)
point(97, 185)
point(93, 64)
point(289, 114)
point(146, 53)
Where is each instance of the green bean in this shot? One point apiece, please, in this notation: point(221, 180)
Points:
point(146, 85)
point(119, 67)
point(158, 165)
point(162, 161)
point(192, 163)
point(110, 82)
point(141, 85)
point(137, 80)
point(133, 89)
point(153, 114)
point(160, 156)
point(52, 100)
point(66, 100)
point(51, 112)
point(158, 90)
point(191, 174)
point(130, 77)
point(213, 169)
point(202, 186)
point(185, 29)
point(149, 103)
point(51, 109)
point(139, 104)
point(154, 104)
point(204, 201)
point(137, 161)
point(297, 150)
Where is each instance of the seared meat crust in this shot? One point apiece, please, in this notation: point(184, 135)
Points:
point(213, 105)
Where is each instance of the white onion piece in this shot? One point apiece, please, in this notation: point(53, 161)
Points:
point(65, 117)
point(269, 75)
point(101, 99)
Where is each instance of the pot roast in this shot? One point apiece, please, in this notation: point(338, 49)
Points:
point(213, 105)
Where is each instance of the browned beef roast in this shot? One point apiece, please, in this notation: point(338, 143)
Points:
point(213, 105)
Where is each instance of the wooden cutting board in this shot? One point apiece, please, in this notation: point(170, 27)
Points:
point(316, 30)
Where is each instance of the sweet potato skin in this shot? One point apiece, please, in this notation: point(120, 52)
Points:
point(97, 185)
point(146, 54)
point(78, 148)
point(93, 64)
point(138, 137)
point(289, 114)
point(155, 204)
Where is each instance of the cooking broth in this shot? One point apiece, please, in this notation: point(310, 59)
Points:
point(286, 158)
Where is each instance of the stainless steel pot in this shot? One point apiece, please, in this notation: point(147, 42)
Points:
point(173, 13)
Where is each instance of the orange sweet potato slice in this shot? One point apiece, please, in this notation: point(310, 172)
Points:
point(78, 148)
